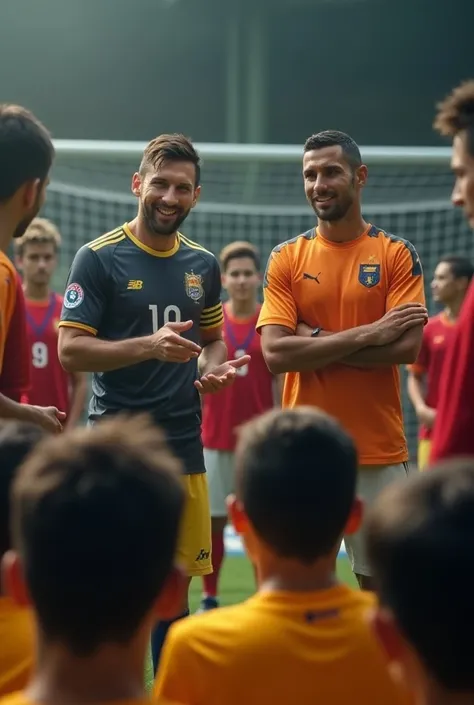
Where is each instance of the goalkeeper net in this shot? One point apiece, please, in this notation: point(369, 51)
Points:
point(255, 193)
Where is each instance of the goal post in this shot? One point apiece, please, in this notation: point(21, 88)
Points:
point(255, 192)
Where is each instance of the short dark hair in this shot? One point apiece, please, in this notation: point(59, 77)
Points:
point(95, 519)
point(17, 440)
point(296, 475)
point(239, 248)
point(420, 535)
point(461, 267)
point(456, 113)
point(171, 148)
point(332, 138)
point(26, 150)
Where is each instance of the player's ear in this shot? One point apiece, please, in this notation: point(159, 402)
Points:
point(13, 583)
point(136, 184)
point(197, 193)
point(169, 603)
point(355, 517)
point(237, 514)
point(361, 175)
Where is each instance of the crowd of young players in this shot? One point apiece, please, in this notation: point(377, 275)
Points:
point(84, 505)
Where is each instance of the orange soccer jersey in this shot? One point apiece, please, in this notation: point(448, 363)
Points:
point(279, 648)
point(338, 286)
point(22, 699)
point(8, 283)
point(16, 646)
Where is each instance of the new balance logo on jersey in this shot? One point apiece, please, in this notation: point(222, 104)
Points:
point(135, 284)
point(311, 276)
point(202, 555)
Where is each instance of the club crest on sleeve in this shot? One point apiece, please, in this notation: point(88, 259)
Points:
point(74, 296)
point(369, 275)
point(193, 286)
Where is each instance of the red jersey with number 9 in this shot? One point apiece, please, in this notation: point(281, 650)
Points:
point(49, 381)
point(250, 395)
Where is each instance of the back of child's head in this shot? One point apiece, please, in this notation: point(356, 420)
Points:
point(296, 473)
point(17, 440)
point(420, 539)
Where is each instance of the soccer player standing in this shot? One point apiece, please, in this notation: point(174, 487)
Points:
point(450, 283)
point(36, 257)
point(143, 312)
point(26, 156)
point(253, 393)
point(359, 291)
point(454, 428)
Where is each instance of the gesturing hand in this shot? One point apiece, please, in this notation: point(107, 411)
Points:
point(221, 376)
point(170, 346)
point(49, 418)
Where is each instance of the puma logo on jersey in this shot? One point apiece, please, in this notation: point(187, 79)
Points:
point(135, 284)
point(311, 276)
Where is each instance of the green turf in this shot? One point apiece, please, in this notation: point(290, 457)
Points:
point(237, 583)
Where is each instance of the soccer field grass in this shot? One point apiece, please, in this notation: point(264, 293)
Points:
point(237, 583)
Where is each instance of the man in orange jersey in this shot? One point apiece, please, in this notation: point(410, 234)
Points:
point(16, 624)
point(359, 292)
point(419, 539)
point(303, 638)
point(26, 155)
point(84, 506)
point(450, 283)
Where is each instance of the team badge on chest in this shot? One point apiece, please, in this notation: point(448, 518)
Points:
point(369, 275)
point(193, 286)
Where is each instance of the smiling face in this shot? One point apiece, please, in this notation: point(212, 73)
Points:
point(331, 185)
point(166, 193)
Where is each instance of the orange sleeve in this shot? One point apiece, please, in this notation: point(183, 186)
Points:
point(406, 276)
point(7, 303)
point(279, 306)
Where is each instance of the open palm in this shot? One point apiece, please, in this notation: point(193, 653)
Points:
point(221, 376)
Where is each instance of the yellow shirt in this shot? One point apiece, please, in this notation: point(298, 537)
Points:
point(279, 648)
point(17, 646)
point(22, 699)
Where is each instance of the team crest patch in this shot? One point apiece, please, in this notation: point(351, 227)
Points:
point(74, 296)
point(369, 275)
point(193, 286)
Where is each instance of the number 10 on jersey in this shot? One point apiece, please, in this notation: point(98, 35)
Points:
point(171, 314)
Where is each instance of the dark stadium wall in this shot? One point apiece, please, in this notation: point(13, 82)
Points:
point(117, 69)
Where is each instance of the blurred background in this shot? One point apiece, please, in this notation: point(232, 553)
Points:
point(248, 81)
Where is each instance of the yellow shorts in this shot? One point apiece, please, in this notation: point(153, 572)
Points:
point(424, 450)
point(194, 543)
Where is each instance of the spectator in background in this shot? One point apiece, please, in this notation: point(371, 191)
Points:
point(253, 392)
point(37, 258)
point(85, 507)
point(17, 440)
point(420, 536)
point(450, 283)
point(454, 427)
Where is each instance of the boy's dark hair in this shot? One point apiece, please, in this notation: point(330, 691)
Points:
point(456, 113)
point(95, 518)
point(26, 150)
point(240, 248)
point(296, 475)
point(332, 138)
point(17, 439)
point(170, 148)
point(461, 267)
point(420, 535)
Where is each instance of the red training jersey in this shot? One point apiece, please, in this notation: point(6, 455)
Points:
point(437, 336)
point(49, 381)
point(250, 395)
point(453, 433)
point(15, 376)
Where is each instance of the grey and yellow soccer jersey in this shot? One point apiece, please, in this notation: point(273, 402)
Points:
point(118, 288)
